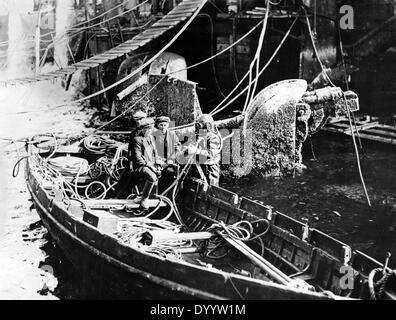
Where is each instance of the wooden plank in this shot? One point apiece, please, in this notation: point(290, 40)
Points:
point(129, 42)
point(120, 51)
point(381, 133)
point(197, 3)
point(186, 11)
point(175, 18)
point(143, 41)
point(140, 37)
point(183, 6)
point(28, 80)
point(41, 77)
point(155, 31)
point(68, 69)
point(83, 64)
point(378, 139)
point(132, 47)
point(88, 67)
point(367, 125)
point(50, 74)
point(99, 60)
point(386, 127)
point(63, 72)
point(152, 34)
point(113, 203)
point(176, 15)
point(108, 55)
point(166, 24)
point(126, 44)
point(88, 63)
point(124, 50)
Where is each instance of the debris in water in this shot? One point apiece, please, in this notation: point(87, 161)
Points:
point(337, 213)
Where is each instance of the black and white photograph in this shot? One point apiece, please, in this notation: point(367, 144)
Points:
point(197, 150)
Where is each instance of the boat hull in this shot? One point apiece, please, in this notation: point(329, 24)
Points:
point(110, 270)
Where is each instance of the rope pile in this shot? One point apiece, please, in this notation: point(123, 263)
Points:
point(132, 231)
point(69, 166)
point(98, 144)
point(66, 172)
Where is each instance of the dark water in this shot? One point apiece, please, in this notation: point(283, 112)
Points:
point(329, 195)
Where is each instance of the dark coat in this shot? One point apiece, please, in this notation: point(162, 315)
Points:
point(172, 141)
point(144, 153)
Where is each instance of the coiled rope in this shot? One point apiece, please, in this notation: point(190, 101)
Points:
point(242, 231)
point(377, 289)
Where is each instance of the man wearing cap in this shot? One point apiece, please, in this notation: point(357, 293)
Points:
point(166, 141)
point(145, 158)
point(136, 118)
point(167, 144)
point(207, 149)
point(126, 178)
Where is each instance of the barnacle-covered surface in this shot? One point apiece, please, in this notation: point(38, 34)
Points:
point(175, 98)
point(274, 139)
point(270, 140)
point(134, 102)
point(172, 97)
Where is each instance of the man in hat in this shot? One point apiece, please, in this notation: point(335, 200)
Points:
point(126, 178)
point(167, 144)
point(207, 149)
point(145, 159)
point(166, 141)
point(136, 118)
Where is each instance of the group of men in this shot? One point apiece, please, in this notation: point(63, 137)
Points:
point(155, 152)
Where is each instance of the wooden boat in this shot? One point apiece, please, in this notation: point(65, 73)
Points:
point(282, 259)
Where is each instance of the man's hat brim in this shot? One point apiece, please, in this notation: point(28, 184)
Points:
point(162, 119)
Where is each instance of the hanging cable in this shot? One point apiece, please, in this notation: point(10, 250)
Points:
point(212, 51)
point(348, 110)
point(170, 73)
point(315, 49)
point(347, 86)
point(356, 151)
point(220, 106)
point(233, 53)
point(146, 63)
point(256, 61)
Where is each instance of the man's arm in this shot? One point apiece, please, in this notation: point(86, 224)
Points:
point(212, 149)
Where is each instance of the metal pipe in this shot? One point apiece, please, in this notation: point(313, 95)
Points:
point(274, 272)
